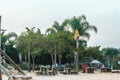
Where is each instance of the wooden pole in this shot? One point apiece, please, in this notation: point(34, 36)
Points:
point(0, 75)
point(0, 48)
point(0, 70)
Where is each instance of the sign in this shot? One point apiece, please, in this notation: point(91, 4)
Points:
point(118, 62)
point(76, 34)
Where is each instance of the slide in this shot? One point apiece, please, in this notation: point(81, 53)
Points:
point(13, 71)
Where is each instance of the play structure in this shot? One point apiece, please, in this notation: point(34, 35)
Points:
point(11, 69)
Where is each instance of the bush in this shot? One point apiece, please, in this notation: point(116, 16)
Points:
point(24, 65)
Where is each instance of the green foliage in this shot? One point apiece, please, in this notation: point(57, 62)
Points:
point(82, 25)
point(110, 52)
point(90, 53)
point(24, 65)
point(36, 51)
point(7, 39)
point(31, 42)
point(12, 53)
point(57, 40)
point(8, 44)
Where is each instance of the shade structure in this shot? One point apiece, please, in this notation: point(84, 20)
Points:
point(95, 62)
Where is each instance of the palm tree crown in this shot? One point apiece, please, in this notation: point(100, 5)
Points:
point(82, 25)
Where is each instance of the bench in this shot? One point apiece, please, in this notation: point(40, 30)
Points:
point(115, 71)
point(105, 69)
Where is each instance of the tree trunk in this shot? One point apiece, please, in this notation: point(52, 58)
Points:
point(25, 58)
point(33, 67)
point(76, 57)
point(55, 57)
point(59, 63)
point(108, 63)
point(29, 60)
point(59, 55)
point(52, 60)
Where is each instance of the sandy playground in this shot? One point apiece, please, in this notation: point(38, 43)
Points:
point(80, 76)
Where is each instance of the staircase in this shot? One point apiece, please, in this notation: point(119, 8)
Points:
point(13, 71)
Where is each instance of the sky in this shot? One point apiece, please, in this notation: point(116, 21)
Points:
point(104, 14)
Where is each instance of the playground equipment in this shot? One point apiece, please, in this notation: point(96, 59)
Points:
point(11, 69)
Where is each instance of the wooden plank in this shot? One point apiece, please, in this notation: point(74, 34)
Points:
point(22, 77)
point(0, 75)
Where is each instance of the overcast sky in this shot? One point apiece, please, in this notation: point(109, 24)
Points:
point(104, 14)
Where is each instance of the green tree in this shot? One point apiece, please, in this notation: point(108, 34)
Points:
point(52, 32)
point(80, 29)
point(8, 45)
point(56, 27)
point(50, 46)
point(57, 43)
point(110, 53)
point(7, 39)
point(90, 53)
point(31, 42)
point(63, 40)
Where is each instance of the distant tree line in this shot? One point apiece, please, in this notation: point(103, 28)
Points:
point(57, 45)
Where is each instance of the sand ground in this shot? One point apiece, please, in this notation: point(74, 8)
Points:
point(80, 76)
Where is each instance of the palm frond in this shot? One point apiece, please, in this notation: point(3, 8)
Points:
point(12, 34)
point(27, 29)
point(56, 25)
point(86, 35)
point(50, 31)
point(65, 22)
point(93, 28)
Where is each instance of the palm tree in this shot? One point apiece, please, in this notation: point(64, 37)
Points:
point(63, 39)
point(81, 25)
point(56, 27)
point(50, 46)
point(52, 33)
point(24, 43)
point(31, 42)
point(8, 38)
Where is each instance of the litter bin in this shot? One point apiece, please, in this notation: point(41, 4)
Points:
point(84, 68)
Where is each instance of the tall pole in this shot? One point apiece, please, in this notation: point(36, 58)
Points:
point(0, 32)
point(0, 47)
